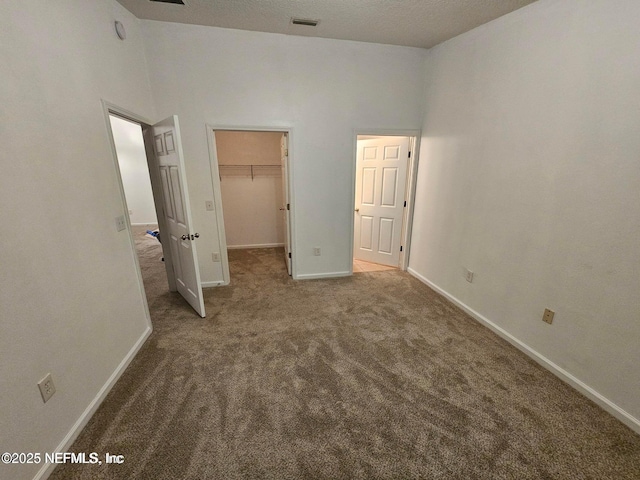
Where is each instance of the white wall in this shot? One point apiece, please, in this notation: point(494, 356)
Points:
point(134, 171)
point(529, 177)
point(69, 297)
point(322, 88)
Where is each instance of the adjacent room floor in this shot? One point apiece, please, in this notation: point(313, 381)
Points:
point(370, 376)
point(360, 266)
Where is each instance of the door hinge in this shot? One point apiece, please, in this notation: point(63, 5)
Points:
point(289, 254)
point(409, 153)
point(405, 203)
point(288, 206)
point(400, 247)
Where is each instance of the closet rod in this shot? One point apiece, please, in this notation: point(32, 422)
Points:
point(246, 165)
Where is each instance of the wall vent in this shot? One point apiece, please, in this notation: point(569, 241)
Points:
point(177, 2)
point(305, 21)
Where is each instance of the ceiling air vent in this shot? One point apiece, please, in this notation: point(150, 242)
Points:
point(305, 21)
point(177, 2)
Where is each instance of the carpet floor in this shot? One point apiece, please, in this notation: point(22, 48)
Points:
point(373, 376)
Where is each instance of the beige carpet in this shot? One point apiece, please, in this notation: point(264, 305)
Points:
point(372, 376)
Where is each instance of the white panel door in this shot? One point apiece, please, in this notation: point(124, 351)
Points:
point(286, 208)
point(177, 213)
point(381, 177)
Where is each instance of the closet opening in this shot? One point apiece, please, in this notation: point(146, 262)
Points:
point(251, 167)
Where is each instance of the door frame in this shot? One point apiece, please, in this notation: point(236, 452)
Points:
point(113, 109)
point(217, 192)
point(410, 191)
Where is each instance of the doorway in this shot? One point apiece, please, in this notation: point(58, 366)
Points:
point(251, 175)
point(384, 172)
point(138, 195)
point(166, 170)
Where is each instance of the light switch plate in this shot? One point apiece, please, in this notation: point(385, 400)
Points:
point(121, 224)
point(468, 275)
point(209, 205)
point(548, 316)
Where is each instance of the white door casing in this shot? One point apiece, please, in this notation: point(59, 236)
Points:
point(381, 177)
point(286, 208)
point(177, 212)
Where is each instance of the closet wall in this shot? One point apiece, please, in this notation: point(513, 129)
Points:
point(251, 186)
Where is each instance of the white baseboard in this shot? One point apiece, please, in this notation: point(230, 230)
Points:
point(622, 415)
point(257, 245)
point(70, 437)
point(312, 276)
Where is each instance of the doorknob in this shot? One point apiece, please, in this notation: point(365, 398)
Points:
point(282, 208)
point(357, 209)
point(195, 235)
point(185, 237)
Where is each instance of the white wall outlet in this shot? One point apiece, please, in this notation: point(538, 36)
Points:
point(47, 388)
point(468, 274)
point(316, 251)
point(547, 316)
point(121, 224)
point(215, 256)
point(209, 205)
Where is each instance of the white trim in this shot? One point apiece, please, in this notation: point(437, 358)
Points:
point(410, 196)
point(77, 427)
point(622, 415)
point(257, 245)
point(251, 128)
point(312, 276)
point(143, 224)
point(124, 113)
point(217, 201)
point(219, 283)
point(387, 132)
point(412, 171)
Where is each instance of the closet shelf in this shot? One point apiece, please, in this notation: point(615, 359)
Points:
point(249, 171)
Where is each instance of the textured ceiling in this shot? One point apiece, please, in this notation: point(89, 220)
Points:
point(416, 23)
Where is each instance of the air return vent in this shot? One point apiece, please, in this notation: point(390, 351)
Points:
point(305, 21)
point(177, 2)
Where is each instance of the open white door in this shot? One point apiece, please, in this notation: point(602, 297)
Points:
point(286, 208)
point(381, 177)
point(177, 212)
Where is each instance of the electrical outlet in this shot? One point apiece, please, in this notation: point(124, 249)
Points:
point(47, 388)
point(468, 274)
point(548, 316)
point(316, 251)
point(215, 257)
point(121, 224)
point(209, 205)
